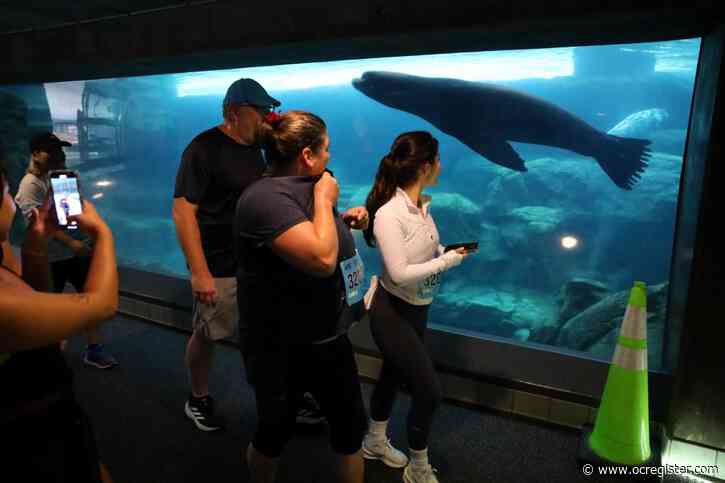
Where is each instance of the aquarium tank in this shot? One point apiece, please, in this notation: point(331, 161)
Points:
point(563, 163)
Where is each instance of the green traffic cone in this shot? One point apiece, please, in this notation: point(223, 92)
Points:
point(621, 430)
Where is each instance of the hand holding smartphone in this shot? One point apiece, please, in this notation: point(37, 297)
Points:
point(66, 197)
point(469, 246)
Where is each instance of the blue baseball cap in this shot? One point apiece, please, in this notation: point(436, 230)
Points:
point(249, 91)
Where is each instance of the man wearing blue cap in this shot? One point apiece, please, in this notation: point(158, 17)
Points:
point(215, 168)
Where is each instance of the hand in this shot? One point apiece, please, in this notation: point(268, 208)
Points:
point(327, 188)
point(203, 288)
point(465, 252)
point(356, 217)
point(90, 221)
point(453, 258)
point(43, 222)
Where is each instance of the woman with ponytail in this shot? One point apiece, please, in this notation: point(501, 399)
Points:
point(413, 260)
point(296, 256)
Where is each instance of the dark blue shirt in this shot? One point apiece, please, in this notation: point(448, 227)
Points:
point(276, 300)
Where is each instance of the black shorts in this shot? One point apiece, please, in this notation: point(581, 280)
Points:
point(73, 270)
point(328, 371)
point(55, 445)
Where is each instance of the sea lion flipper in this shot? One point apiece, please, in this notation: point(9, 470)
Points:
point(623, 159)
point(496, 150)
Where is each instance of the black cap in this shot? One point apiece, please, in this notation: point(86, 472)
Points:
point(46, 141)
point(249, 91)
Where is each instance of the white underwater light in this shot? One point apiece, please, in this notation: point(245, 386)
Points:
point(104, 183)
point(97, 195)
point(569, 242)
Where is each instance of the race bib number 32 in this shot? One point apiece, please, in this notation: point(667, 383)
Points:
point(429, 286)
point(353, 275)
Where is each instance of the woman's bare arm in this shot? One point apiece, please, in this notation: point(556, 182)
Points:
point(30, 319)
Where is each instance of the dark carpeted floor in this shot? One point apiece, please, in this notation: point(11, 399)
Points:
point(144, 436)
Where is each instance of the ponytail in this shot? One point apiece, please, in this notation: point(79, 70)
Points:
point(381, 192)
point(401, 167)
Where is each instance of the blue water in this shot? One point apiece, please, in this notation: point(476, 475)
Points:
point(512, 286)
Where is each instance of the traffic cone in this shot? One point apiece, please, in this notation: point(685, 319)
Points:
point(621, 430)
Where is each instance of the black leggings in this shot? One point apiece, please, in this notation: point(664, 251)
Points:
point(280, 373)
point(399, 329)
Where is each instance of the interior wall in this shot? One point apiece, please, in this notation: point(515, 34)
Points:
point(219, 34)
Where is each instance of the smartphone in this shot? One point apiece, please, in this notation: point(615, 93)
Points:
point(66, 197)
point(469, 246)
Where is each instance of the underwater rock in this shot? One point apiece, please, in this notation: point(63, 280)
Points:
point(656, 314)
point(457, 218)
point(476, 317)
point(545, 334)
point(641, 124)
point(590, 326)
point(454, 202)
point(539, 219)
point(577, 295)
point(587, 327)
point(490, 311)
point(614, 229)
point(490, 244)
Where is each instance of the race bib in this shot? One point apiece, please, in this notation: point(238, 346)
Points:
point(429, 286)
point(353, 275)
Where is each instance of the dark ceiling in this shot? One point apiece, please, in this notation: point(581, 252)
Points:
point(18, 16)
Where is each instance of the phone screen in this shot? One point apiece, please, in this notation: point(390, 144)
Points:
point(66, 198)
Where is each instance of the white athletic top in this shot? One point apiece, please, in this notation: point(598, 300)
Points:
point(409, 244)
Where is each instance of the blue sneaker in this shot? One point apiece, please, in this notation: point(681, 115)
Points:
point(96, 355)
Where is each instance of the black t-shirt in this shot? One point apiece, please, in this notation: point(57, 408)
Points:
point(214, 171)
point(276, 300)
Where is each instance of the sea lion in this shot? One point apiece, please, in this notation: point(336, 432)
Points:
point(486, 117)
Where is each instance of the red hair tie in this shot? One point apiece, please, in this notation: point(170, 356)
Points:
point(272, 118)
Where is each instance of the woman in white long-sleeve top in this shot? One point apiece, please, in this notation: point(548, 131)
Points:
point(413, 260)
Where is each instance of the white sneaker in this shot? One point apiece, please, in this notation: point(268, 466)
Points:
point(384, 451)
point(426, 475)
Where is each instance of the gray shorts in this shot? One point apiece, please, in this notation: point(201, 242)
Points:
point(218, 321)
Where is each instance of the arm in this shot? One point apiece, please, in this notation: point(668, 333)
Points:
point(192, 182)
point(391, 243)
point(35, 319)
point(187, 231)
point(9, 259)
point(311, 246)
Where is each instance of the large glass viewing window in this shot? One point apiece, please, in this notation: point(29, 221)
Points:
point(563, 163)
